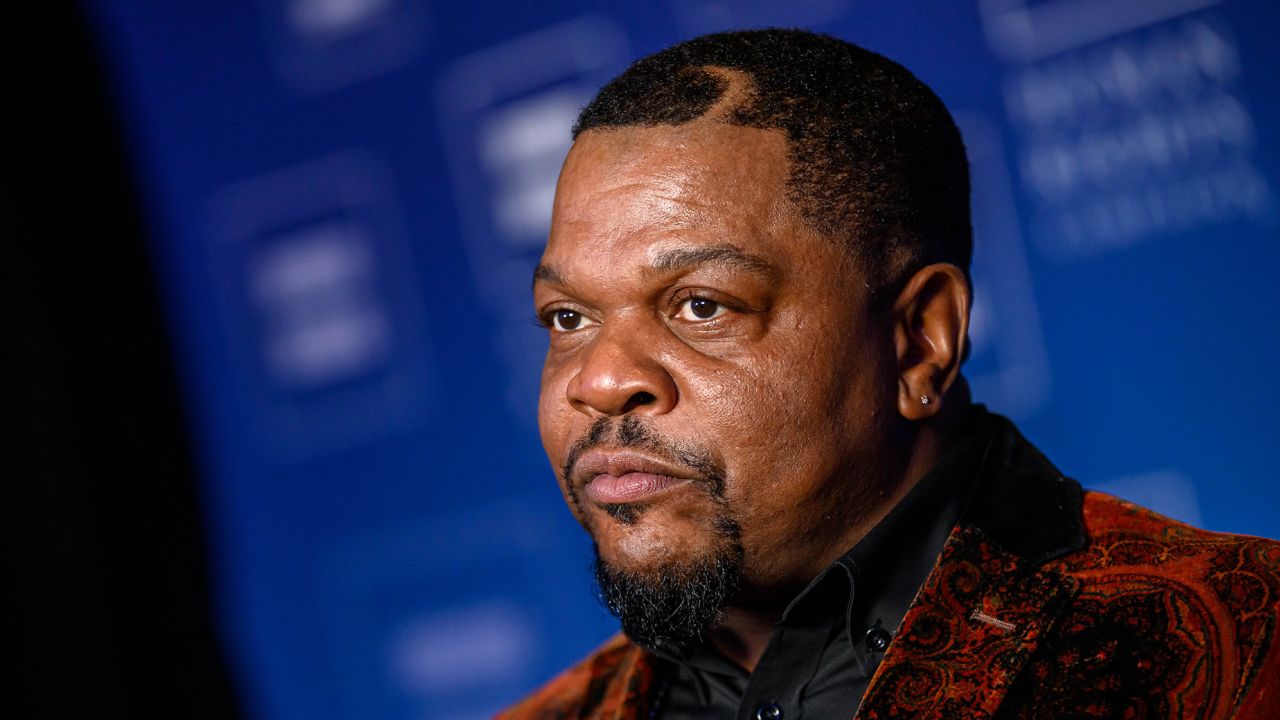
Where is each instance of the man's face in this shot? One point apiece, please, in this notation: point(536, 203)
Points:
point(715, 375)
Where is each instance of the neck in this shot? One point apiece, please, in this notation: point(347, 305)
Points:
point(743, 634)
point(746, 627)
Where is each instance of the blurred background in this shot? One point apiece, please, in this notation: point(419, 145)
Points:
point(270, 447)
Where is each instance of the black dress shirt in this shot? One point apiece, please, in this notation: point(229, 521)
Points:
point(830, 639)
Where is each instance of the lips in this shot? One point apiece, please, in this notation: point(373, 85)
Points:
point(630, 487)
point(615, 478)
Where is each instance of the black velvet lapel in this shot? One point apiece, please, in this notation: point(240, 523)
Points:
point(1022, 502)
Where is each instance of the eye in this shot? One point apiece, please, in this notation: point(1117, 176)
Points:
point(696, 309)
point(567, 320)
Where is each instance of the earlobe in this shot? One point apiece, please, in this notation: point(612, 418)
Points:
point(917, 400)
point(931, 324)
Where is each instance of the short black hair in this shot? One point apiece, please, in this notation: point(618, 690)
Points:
point(876, 159)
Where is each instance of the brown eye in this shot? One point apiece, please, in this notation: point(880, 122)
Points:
point(697, 308)
point(567, 320)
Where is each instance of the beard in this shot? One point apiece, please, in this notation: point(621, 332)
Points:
point(674, 604)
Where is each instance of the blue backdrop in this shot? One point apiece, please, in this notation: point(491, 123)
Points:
point(347, 197)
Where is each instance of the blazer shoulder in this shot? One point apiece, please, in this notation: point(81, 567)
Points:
point(1110, 519)
point(1208, 600)
point(1125, 540)
point(613, 675)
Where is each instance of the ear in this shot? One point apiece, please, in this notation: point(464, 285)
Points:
point(931, 326)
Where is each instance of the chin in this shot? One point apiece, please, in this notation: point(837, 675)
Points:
point(657, 542)
point(664, 595)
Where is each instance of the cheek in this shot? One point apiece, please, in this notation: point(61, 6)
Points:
point(766, 408)
point(554, 414)
point(789, 421)
point(555, 427)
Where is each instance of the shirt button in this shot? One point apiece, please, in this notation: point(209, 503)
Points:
point(878, 639)
point(769, 711)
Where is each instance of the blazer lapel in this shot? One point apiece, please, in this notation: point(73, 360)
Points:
point(990, 598)
point(968, 633)
point(626, 687)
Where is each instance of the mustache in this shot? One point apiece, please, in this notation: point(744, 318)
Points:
point(630, 431)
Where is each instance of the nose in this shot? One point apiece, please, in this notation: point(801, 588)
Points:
point(620, 375)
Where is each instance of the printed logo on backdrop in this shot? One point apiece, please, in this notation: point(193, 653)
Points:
point(322, 45)
point(319, 304)
point(1130, 121)
point(506, 114)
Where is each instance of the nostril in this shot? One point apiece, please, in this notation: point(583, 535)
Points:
point(639, 399)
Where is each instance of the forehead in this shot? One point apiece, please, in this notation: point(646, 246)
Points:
point(701, 177)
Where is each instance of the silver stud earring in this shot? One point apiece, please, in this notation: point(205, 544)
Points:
point(925, 400)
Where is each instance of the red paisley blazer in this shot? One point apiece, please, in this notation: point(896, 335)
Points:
point(1046, 602)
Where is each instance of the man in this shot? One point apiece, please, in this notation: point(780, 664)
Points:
point(757, 296)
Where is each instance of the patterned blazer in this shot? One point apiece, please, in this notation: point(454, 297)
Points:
point(1046, 602)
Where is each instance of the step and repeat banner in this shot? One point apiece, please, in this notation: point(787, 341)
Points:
point(347, 197)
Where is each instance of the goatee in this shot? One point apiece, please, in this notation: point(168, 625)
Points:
point(673, 607)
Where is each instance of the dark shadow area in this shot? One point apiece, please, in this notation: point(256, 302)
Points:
point(106, 604)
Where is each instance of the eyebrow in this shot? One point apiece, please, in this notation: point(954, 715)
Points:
point(685, 258)
point(546, 273)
